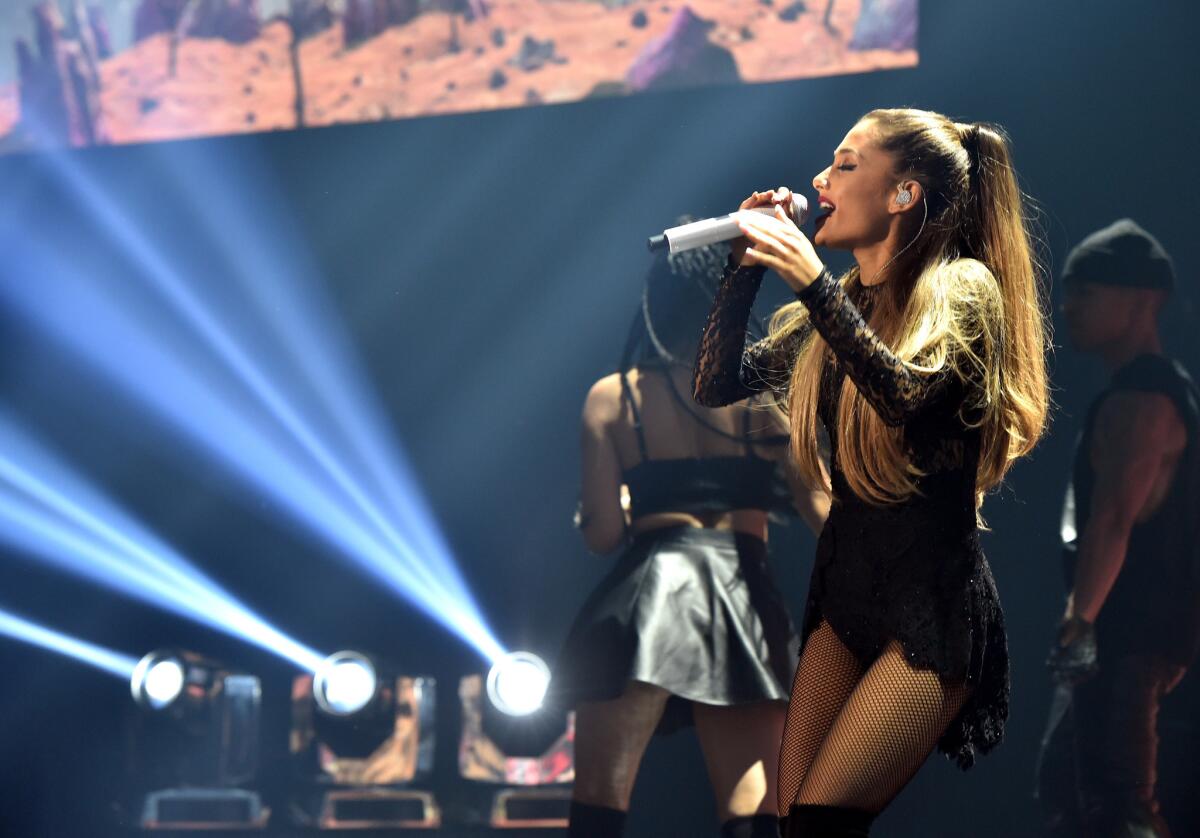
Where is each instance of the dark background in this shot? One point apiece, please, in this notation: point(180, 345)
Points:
point(488, 266)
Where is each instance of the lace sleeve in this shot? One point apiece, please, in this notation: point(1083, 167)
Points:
point(726, 369)
point(898, 393)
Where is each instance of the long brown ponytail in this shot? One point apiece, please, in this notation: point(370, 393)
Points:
point(963, 297)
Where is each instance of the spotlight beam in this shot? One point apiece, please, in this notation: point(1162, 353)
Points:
point(131, 355)
point(171, 287)
point(316, 345)
point(25, 481)
point(47, 538)
point(106, 660)
point(48, 522)
point(221, 343)
point(297, 313)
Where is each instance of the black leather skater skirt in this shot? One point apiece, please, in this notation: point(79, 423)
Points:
point(694, 611)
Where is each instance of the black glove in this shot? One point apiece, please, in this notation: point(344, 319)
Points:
point(1072, 658)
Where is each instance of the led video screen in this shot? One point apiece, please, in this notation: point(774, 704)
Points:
point(82, 72)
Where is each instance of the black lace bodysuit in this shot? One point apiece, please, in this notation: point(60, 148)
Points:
point(912, 571)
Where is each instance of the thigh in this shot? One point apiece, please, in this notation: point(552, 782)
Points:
point(1120, 737)
point(826, 676)
point(884, 732)
point(741, 747)
point(610, 739)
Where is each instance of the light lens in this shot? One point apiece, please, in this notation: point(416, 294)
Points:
point(345, 683)
point(157, 680)
point(517, 683)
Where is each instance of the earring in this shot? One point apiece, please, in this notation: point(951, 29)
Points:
point(903, 196)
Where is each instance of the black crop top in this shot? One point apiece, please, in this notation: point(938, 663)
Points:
point(701, 484)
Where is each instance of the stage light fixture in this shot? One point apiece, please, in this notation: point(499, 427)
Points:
point(517, 682)
point(520, 753)
point(194, 744)
point(362, 745)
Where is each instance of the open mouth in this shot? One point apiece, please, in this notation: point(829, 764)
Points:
point(827, 209)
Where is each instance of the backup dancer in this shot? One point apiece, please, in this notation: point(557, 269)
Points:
point(688, 627)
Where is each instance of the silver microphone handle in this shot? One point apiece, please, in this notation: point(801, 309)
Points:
point(722, 228)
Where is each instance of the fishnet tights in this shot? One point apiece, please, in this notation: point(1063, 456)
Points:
point(854, 738)
point(610, 739)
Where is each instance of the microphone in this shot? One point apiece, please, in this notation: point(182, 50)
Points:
point(719, 229)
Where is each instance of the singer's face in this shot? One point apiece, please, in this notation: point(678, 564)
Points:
point(853, 193)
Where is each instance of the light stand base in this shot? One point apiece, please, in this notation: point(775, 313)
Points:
point(374, 808)
point(531, 808)
point(203, 809)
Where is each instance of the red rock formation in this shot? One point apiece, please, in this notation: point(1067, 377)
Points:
point(59, 85)
point(682, 57)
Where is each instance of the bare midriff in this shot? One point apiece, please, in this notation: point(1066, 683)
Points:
point(749, 521)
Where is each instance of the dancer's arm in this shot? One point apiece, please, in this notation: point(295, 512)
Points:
point(601, 520)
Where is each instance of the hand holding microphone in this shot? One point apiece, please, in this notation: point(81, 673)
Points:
point(764, 231)
point(774, 239)
point(725, 227)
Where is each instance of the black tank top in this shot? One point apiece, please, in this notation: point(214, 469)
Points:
point(1154, 605)
point(701, 484)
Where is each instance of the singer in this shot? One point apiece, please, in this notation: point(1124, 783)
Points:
point(925, 363)
point(688, 626)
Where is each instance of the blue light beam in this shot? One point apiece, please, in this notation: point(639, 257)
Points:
point(278, 274)
point(143, 357)
point(319, 356)
point(421, 548)
point(60, 517)
point(106, 660)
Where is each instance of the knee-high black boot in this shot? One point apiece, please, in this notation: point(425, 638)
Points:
point(752, 826)
point(826, 822)
point(589, 821)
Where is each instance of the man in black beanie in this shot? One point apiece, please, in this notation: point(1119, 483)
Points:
point(1131, 555)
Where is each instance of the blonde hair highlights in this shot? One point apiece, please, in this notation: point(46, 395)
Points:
point(964, 300)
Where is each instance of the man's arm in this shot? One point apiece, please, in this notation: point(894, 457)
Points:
point(1138, 436)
